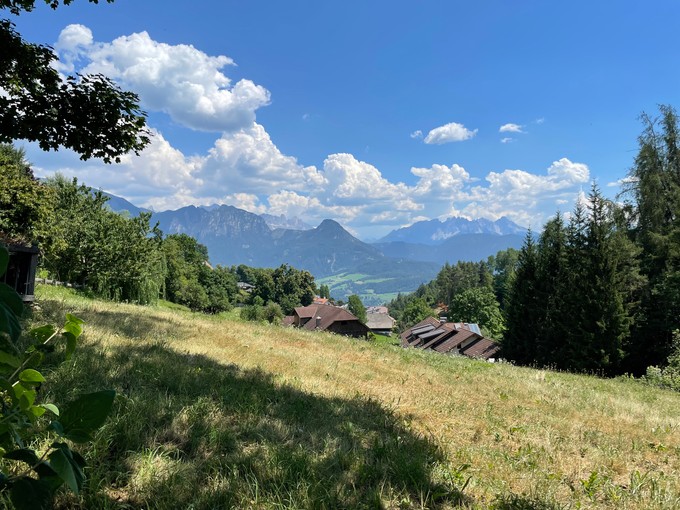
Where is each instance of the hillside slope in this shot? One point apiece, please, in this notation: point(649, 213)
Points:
point(215, 412)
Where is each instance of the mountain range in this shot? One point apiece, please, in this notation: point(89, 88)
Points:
point(436, 231)
point(399, 262)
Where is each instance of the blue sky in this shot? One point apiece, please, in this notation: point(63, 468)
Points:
point(373, 113)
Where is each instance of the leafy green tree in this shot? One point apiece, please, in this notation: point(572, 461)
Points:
point(88, 114)
point(292, 287)
point(324, 291)
point(479, 305)
point(503, 266)
point(452, 280)
point(245, 274)
point(191, 281)
point(220, 287)
point(116, 257)
point(25, 205)
point(264, 285)
point(356, 307)
point(416, 310)
point(273, 313)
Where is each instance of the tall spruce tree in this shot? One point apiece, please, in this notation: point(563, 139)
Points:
point(522, 313)
point(606, 323)
point(550, 271)
point(654, 184)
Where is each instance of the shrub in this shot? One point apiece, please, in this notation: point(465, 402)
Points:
point(22, 416)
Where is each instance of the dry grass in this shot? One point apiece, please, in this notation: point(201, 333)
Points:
point(325, 405)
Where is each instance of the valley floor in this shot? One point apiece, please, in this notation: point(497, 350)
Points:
point(213, 412)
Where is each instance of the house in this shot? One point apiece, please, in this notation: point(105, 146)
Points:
point(320, 300)
point(450, 338)
point(21, 269)
point(327, 318)
point(246, 286)
point(380, 323)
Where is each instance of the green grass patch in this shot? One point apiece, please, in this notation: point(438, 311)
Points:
point(214, 412)
point(386, 340)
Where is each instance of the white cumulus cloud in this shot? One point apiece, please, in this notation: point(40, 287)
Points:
point(180, 80)
point(524, 197)
point(452, 132)
point(510, 128)
point(245, 168)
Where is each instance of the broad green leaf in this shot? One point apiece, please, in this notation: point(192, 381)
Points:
point(74, 319)
point(57, 427)
point(10, 360)
point(64, 468)
point(74, 328)
point(37, 411)
point(51, 408)
point(25, 395)
point(71, 343)
point(30, 494)
point(11, 308)
point(43, 333)
point(4, 260)
point(24, 455)
point(30, 376)
point(86, 414)
point(26, 400)
point(48, 476)
point(35, 359)
point(10, 298)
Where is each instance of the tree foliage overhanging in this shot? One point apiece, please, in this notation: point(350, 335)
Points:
point(89, 114)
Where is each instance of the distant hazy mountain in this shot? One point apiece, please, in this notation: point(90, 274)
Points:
point(119, 204)
point(437, 231)
point(349, 266)
point(469, 247)
point(233, 236)
point(326, 250)
point(282, 221)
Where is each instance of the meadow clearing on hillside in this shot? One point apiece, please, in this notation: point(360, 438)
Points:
point(213, 412)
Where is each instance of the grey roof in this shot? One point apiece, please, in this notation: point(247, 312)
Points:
point(379, 321)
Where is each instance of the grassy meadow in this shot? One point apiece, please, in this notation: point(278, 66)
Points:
point(213, 412)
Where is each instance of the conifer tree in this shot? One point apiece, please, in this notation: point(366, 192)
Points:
point(605, 320)
point(654, 184)
point(522, 311)
point(550, 272)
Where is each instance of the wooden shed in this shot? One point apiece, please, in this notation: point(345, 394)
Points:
point(20, 274)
